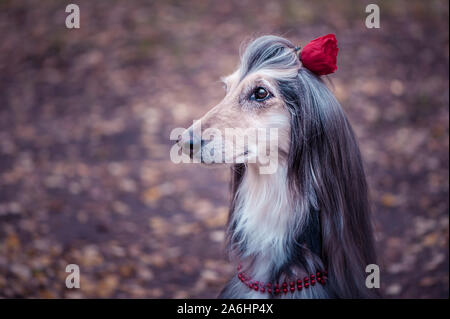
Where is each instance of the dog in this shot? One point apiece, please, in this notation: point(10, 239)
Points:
point(303, 230)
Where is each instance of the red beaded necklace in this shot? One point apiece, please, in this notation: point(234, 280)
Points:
point(275, 288)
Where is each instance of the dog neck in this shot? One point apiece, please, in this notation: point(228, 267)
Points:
point(265, 221)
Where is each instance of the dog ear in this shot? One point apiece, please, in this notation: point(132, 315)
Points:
point(328, 172)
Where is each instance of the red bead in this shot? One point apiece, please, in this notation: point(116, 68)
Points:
point(285, 286)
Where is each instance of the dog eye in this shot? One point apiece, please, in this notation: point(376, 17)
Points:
point(260, 94)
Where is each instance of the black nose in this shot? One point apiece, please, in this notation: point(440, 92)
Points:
point(192, 144)
point(191, 147)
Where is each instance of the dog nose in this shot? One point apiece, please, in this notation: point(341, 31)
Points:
point(190, 143)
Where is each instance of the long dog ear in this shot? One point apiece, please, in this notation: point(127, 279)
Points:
point(326, 164)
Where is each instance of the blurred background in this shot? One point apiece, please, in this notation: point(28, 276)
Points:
point(85, 117)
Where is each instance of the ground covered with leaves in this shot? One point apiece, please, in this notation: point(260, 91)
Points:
point(85, 118)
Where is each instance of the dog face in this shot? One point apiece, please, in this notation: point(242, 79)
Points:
point(250, 125)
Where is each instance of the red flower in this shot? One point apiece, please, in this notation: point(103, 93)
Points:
point(320, 55)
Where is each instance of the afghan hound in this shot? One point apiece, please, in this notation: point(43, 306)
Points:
point(302, 229)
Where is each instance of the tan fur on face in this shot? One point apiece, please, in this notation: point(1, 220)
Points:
point(236, 111)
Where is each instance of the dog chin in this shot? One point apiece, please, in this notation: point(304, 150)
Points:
point(241, 159)
point(215, 165)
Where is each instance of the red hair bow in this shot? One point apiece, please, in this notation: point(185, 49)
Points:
point(320, 55)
